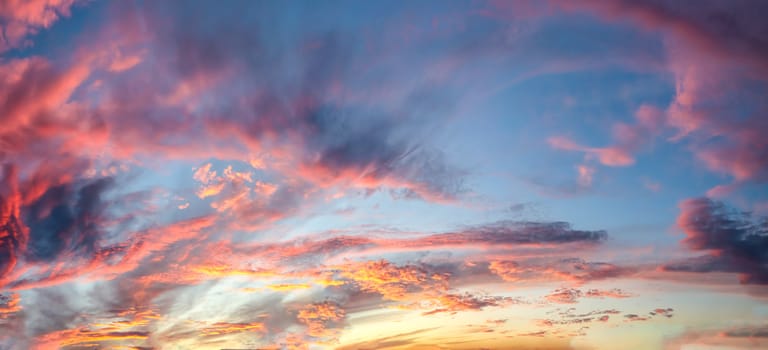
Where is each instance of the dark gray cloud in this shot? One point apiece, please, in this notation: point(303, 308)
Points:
point(10, 236)
point(518, 232)
point(733, 241)
point(286, 94)
point(66, 218)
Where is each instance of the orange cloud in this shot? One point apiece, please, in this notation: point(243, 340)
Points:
point(318, 317)
point(109, 262)
point(222, 328)
point(9, 305)
point(65, 338)
point(509, 271)
point(391, 281)
point(100, 332)
point(286, 287)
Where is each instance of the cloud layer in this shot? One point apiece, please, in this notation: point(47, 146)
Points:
point(324, 175)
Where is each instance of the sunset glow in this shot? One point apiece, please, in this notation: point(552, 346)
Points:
point(522, 174)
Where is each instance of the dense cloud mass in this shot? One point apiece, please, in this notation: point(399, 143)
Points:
point(389, 175)
point(733, 240)
point(65, 220)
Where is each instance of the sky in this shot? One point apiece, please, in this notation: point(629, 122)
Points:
point(515, 174)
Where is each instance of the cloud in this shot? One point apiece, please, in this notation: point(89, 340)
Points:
point(224, 328)
point(374, 154)
point(737, 337)
point(37, 108)
point(606, 156)
point(393, 341)
point(66, 219)
point(713, 45)
point(630, 138)
point(165, 260)
point(296, 119)
point(501, 235)
point(428, 338)
point(12, 233)
point(731, 30)
point(573, 270)
point(453, 303)
point(314, 115)
point(580, 271)
point(515, 233)
point(57, 321)
point(321, 319)
point(572, 295)
point(564, 296)
point(85, 336)
point(732, 241)
point(716, 56)
point(585, 175)
point(9, 305)
point(568, 319)
point(112, 260)
point(58, 220)
point(664, 312)
point(22, 19)
point(332, 145)
point(391, 281)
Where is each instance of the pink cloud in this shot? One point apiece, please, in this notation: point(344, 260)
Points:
point(748, 336)
point(23, 18)
point(711, 59)
point(630, 138)
point(586, 174)
point(606, 155)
